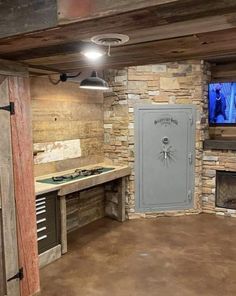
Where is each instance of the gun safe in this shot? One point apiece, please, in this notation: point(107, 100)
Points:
point(164, 157)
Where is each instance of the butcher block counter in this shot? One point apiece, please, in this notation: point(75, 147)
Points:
point(48, 192)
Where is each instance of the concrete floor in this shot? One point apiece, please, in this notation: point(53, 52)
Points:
point(179, 256)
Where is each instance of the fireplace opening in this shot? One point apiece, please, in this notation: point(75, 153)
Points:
point(226, 189)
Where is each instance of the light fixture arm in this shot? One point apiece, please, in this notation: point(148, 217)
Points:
point(63, 78)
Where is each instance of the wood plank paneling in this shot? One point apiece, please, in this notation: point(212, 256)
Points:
point(24, 183)
point(85, 207)
point(64, 113)
point(218, 132)
point(224, 72)
point(7, 194)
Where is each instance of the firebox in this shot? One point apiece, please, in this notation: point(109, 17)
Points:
point(226, 189)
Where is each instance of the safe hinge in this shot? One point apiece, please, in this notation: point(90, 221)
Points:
point(191, 118)
point(19, 275)
point(190, 195)
point(190, 158)
point(10, 108)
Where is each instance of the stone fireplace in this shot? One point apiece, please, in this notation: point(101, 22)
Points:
point(219, 182)
point(226, 189)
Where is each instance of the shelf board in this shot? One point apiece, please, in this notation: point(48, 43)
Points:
point(220, 144)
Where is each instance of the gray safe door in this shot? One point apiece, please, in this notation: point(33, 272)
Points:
point(164, 157)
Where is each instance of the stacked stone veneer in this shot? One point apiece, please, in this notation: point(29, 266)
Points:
point(213, 161)
point(171, 83)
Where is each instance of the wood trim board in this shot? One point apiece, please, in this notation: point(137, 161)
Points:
point(49, 256)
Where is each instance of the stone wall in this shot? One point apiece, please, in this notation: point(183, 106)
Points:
point(171, 83)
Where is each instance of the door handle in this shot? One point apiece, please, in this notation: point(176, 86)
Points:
point(190, 158)
point(190, 195)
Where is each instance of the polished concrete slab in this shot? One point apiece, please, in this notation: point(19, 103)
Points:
point(173, 256)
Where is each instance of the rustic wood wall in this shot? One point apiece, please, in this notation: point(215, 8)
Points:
point(67, 125)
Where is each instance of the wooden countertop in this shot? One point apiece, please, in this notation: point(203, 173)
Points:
point(80, 184)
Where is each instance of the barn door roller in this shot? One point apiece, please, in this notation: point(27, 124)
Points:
point(10, 108)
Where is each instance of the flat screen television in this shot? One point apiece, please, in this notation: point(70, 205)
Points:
point(222, 103)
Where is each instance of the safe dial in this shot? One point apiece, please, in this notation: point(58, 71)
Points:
point(165, 140)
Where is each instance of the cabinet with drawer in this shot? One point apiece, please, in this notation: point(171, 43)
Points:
point(47, 216)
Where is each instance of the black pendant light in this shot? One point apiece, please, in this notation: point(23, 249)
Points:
point(94, 82)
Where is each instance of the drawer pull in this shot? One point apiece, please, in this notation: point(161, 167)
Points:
point(40, 199)
point(40, 203)
point(41, 220)
point(40, 212)
point(40, 208)
point(41, 229)
point(42, 237)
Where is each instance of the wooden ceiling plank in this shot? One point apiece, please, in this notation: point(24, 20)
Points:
point(209, 24)
point(17, 17)
point(159, 51)
point(78, 10)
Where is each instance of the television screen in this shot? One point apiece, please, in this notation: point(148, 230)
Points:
point(222, 103)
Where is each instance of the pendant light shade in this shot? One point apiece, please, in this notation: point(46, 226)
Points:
point(94, 82)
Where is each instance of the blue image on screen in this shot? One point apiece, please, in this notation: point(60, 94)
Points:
point(222, 103)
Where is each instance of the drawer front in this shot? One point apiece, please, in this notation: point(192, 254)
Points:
point(47, 216)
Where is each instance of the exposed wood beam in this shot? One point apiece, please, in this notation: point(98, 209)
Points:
point(17, 17)
point(134, 21)
point(201, 25)
point(12, 68)
point(78, 10)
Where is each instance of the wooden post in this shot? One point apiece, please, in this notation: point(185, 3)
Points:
point(63, 224)
point(121, 199)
